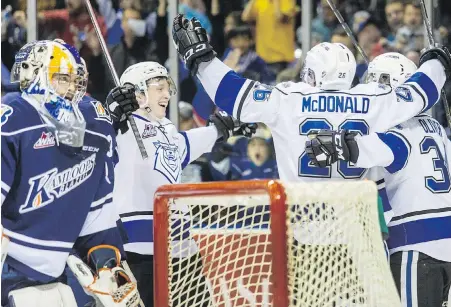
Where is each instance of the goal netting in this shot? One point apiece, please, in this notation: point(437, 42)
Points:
point(270, 243)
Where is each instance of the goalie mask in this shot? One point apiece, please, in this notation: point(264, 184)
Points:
point(329, 66)
point(154, 87)
point(53, 75)
point(391, 69)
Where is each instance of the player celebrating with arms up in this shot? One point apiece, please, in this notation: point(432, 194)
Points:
point(323, 100)
point(57, 183)
point(416, 156)
point(169, 152)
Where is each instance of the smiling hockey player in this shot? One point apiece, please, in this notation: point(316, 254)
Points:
point(57, 183)
point(169, 152)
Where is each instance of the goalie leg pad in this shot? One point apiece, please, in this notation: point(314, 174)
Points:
point(54, 294)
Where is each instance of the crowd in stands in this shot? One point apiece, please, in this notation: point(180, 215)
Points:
point(259, 39)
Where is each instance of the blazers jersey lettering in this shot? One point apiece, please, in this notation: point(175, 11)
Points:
point(137, 179)
point(53, 201)
point(416, 155)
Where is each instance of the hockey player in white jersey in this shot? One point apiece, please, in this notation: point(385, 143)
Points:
point(169, 152)
point(416, 156)
point(57, 184)
point(324, 100)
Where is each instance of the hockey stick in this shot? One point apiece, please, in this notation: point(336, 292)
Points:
point(348, 31)
point(431, 40)
point(131, 120)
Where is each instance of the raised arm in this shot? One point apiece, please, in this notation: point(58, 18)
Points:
point(238, 96)
point(418, 93)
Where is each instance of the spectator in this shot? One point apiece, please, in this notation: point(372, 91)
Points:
point(411, 35)
point(131, 50)
point(274, 34)
point(368, 36)
point(394, 14)
point(339, 36)
point(258, 164)
point(73, 25)
point(323, 24)
point(243, 60)
point(186, 120)
point(113, 19)
point(414, 56)
point(195, 8)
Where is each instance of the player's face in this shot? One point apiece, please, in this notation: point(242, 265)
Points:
point(258, 151)
point(158, 95)
point(65, 85)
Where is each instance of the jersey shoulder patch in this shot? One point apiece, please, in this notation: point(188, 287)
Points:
point(96, 109)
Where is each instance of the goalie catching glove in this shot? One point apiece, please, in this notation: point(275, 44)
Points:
point(228, 126)
point(110, 285)
point(326, 147)
point(191, 42)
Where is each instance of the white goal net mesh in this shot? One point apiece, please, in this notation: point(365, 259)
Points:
point(220, 249)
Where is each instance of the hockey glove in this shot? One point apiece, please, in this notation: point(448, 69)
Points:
point(121, 102)
point(191, 41)
point(326, 147)
point(228, 126)
point(440, 53)
point(110, 285)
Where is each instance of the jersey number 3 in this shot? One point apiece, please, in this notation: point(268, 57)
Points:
point(432, 183)
point(345, 169)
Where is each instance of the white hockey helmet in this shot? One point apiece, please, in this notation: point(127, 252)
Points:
point(329, 66)
point(390, 68)
point(141, 73)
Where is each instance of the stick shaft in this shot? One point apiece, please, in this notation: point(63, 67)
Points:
point(110, 64)
point(348, 31)
point(430, 36)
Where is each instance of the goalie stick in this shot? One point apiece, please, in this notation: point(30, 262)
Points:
point(131, 120)
point(430, 36)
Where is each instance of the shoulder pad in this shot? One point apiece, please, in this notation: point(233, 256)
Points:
point(17, 113)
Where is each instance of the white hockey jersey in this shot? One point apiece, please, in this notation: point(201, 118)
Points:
point(417, 156)
point(137, 179)
point(292, 110)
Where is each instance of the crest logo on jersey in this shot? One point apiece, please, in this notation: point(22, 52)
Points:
point(47, 139)
point(102, 113)
point(6, 112)
point(149, 131)
point(167, 161)
point(45, 187)
point(404, 93)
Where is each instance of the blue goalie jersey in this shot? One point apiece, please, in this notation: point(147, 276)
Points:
point(55, 201)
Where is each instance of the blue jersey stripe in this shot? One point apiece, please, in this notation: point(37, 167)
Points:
point(41, 247)
point(188, 150)
point(400, 148)
point(409, 279)
point(228, 90)
point(139, 230)
point(419, 231)
point(385, 202)
point(427, 85)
